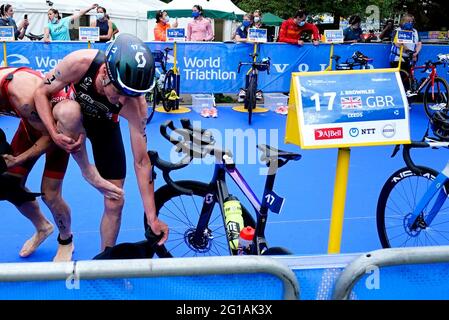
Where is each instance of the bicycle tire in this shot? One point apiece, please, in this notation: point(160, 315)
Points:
point(168, 200)
point(397, 200)
point(251, 97)
point(437, 101)
point(169, 85)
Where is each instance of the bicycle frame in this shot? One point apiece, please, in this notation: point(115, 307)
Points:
point(431, 77)
point(219, 192)
point(436, 186)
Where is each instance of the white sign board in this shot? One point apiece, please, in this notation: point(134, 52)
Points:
point(257, 35)
point(7, 34)
point(89, 34)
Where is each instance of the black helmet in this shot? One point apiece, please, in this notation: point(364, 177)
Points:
point(440, 125)
point(130, 65)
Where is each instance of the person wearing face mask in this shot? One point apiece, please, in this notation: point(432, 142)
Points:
point(162, 24)
point(104, 24)
point(200, 29)
point(407, 24)
point(241, 34)
point(292, 29)
point(257, 23)
point(58, 27)
point(6, 20)
point(353, 33)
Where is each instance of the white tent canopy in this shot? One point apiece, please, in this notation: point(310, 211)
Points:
point(129, 16)
point(217, 5)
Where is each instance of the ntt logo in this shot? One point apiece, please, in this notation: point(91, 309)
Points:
point(354, 132)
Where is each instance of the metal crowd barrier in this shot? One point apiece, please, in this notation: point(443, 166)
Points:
point(149, 268)
point(385, 258)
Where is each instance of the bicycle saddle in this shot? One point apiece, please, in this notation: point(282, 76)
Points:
point(269, 153)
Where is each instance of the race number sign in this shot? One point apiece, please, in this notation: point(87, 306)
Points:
point(7, 34)
point(89, 34)
point(257, 35)
point(333, 36)
point(350, 108)
point(403, 36)
point(176, 34)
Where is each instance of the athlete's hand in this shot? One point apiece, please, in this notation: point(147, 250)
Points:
point(67, 143)
point(158, 226)
point(10, 160)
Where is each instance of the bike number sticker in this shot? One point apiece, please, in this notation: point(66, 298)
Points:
point(273, 201)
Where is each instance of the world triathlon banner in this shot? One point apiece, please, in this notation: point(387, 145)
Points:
point(211, 67)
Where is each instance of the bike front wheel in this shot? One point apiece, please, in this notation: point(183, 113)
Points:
point(182, 212)
point(398, 198)
point(251, 97)
point(436, 96)
point(169, 85)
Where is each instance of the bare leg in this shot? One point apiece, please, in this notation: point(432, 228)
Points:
point(44, 228)
point(112, 216)
point(52, 189)
point(67, 113)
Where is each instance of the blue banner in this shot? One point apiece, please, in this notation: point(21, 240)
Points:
point(39, 56)
point(212, 67)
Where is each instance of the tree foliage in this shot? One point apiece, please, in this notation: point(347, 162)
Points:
point(429, 14)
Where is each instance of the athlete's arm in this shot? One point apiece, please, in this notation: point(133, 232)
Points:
point(68, 71)
point(135, 111)
point(38, 148)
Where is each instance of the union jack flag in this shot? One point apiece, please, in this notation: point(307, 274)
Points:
point(351, 102)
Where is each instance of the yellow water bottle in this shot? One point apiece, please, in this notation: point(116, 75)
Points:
point(234, 220)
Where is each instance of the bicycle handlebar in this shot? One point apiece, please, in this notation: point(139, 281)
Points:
point(408, 159)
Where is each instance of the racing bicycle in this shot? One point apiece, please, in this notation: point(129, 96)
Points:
point(166, 87)
point(358, 59)
point(195, 210)
point(436, 89)
point(412, 209)
point(251, 81)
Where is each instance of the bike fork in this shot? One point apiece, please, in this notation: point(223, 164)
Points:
point(436, 186)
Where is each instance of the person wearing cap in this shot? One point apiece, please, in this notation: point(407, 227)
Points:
point(108, 85)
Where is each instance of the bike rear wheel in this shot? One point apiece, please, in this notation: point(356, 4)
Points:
point(398, 198)
point(436, 96)
point(169, 85)
point(181, 212)
point(251, 96)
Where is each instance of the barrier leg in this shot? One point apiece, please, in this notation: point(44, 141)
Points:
point(338, 203)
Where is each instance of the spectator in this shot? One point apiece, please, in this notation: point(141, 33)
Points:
point(387, 32)
point(200, 29)
point(115, 30)
point(292, 29)
point(6, 20)
point(58, 28)
point(104, 24)
point(257, 23)
point(407, 23)
point(162, 24)
point(241, 34)
point(353, 33)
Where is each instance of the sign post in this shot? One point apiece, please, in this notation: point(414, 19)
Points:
point(331, 37)
point(334, 110)
point(6, 34)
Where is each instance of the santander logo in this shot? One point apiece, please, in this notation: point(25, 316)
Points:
point(328, 133)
